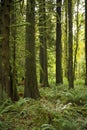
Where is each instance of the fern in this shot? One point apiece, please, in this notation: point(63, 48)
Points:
point(47, 127)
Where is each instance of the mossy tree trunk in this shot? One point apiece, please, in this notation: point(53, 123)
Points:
point(59, 78)
point(5, 33)
point(13, 71)
point(43, 44)
point(70, 46)
point(31, 86)
point(86, 40)
point(1, 85)
point(66, 40)
point(77, 39)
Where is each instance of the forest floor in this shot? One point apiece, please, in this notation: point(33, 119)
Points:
point(57, 109)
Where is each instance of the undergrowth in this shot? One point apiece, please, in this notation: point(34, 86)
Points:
point(58, 109)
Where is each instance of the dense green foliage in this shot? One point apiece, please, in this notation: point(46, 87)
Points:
point(57, 109)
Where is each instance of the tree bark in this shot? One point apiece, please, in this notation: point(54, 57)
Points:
point(43, 44)
point(77, 38)
point(66, 41)
point(13, 71)
point(59, 78)
point(5, 32)
point(70, 44)
point(86, 41)
point(1, 85)
point(31, 87)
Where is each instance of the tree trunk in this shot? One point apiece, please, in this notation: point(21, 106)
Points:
point(31, 87)
point(70, 40)
point(1, 85)
point(43, 44)
point(5, 32)
point(59, 78)
point(66, 42)
point(13, 52)
point(77, 38)
point(86, 40)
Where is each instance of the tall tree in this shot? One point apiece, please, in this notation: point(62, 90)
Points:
point(70, 45)
point(77, 38)
point(66, 39)
point(5, 32)
point(59, 78)
point(1, 85)
point(13, 71)
point(31, 87)
point(86, 40)
point(43, 44)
